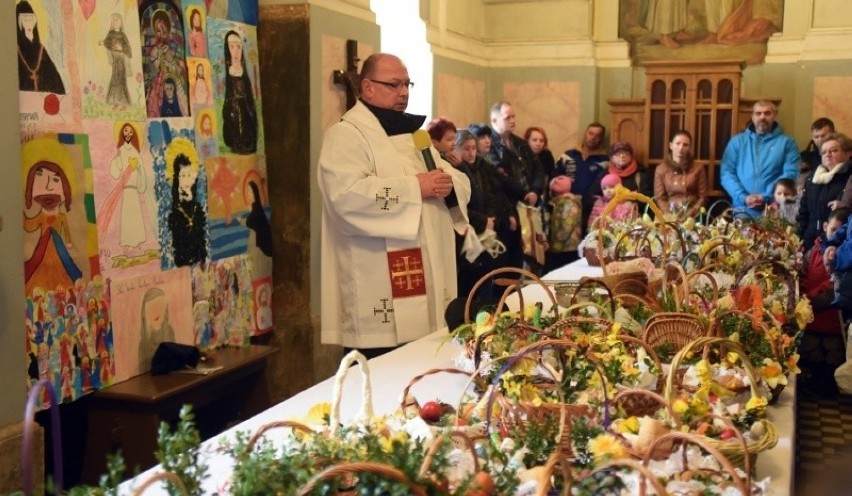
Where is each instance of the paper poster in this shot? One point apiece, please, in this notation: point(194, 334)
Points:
point(149, 310)
point(126, 208)
point(232, 50)
point(224, 290)
point(109, 54)
point(238, 206)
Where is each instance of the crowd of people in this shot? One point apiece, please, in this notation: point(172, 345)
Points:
point(380, 197)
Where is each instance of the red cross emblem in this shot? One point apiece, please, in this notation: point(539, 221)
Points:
point(406, 273)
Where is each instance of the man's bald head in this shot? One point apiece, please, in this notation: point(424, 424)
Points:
point(385, 82)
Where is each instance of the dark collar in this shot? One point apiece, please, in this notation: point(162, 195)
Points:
point(395, 122)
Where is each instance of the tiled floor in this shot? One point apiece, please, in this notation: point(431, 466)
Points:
point(823, 445)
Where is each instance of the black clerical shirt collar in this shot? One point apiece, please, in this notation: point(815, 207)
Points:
point(395, 122)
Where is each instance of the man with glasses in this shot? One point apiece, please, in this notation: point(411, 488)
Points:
point(756, 159)
point(388, 249)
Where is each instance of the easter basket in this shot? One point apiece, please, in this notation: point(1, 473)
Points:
point(765, 438)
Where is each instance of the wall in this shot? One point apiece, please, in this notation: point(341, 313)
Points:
point(12, 380)
point(12, 373)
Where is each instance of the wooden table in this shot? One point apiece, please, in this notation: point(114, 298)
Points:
point(127, 415)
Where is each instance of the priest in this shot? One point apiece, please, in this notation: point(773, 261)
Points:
point(388, 220)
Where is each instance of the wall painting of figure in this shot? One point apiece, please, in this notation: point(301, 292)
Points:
point(149, 310)
point(181, 191)
point(69, 329)
point(123, 178)
point(232, 50)
point(163, 59)
point(110, 60)
point(47, 67)
point(699, 29)
point(237, 206)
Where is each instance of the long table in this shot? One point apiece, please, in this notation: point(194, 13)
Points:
point(391, 373)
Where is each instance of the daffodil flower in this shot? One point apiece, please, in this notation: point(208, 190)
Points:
point(606, 447)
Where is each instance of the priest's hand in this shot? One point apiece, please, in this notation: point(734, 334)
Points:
point(435, 184)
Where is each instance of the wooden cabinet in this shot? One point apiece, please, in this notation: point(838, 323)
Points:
point(700, 97)
point(126, 416)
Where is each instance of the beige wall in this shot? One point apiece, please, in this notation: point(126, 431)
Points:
point(12, 357)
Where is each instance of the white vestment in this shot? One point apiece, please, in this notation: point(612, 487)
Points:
point(132, 231)
point(372, 206)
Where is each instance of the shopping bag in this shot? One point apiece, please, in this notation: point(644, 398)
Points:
point(532, 232)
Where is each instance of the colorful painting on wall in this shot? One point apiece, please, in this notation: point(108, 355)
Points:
point(226, 287)
point(157, 102)
point(699, 29)
point(68, 322)
point(149, 310)
point(123, 180)
point(47, 71)
point(181, 190)
point(163, 63)
point(238, 206)
point(110, 60)
point(232, 49)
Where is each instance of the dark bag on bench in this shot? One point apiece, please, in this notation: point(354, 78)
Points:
point(174, 356)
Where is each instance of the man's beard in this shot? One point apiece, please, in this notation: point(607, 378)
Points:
point(49, 201)
point(762, 127)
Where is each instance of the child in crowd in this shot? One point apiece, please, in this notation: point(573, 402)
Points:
point(822, 348)
point(623, 211)
point(786, 199)
point(566, 224)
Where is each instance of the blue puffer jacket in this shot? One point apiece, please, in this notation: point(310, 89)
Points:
point(753, 163)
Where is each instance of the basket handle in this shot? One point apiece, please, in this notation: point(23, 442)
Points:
point(416, 378)
point(645, 474)
point(436, 444)
point(169, 477)
point(386, 471)
point(739, 435)
point(366, 389)
point(556, 459)
point(684, 437)
point(594, 281)
point(540, 346)
point(505, 270)
point(275, 425)
point(706, 341)
point(56, 434)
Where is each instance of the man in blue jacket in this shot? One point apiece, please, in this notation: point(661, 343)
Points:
point(756, 159)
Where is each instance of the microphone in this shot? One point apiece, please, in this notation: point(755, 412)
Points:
point(423, 142)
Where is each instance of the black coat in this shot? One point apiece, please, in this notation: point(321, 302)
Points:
point(813, 208)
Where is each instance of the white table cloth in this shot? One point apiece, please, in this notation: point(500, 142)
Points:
point(392, 372)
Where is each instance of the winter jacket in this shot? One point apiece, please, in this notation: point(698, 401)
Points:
point(813, 206)
point(753, 163)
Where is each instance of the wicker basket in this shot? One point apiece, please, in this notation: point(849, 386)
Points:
point(519, 413)
point(743, 484)
point(350, 470)
point(520, 328)
point(675, 329)
point(405, 405)
point(733, 451)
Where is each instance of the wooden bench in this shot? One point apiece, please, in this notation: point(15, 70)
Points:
point(126, 415)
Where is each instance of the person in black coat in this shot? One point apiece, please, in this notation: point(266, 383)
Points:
point(824, 187)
